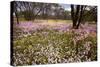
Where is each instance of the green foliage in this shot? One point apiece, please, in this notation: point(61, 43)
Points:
point(28, 15)
point(90, 15)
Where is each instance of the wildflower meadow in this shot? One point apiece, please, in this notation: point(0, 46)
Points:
point(53, 37)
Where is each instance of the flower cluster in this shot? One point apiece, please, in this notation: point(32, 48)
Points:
point(40, 43)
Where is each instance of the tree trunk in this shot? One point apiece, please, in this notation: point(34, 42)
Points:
point(15, 11)
point(76, 14)
point(72, 15)
point(80, 17)
point(17, 17)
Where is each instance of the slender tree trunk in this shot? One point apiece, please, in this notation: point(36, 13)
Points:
point(36, 14)
point(80, 17)
point(72, 15)
point(17, 17)
point(16, 12)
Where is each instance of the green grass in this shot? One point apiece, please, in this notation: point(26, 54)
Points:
point(51, 47)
